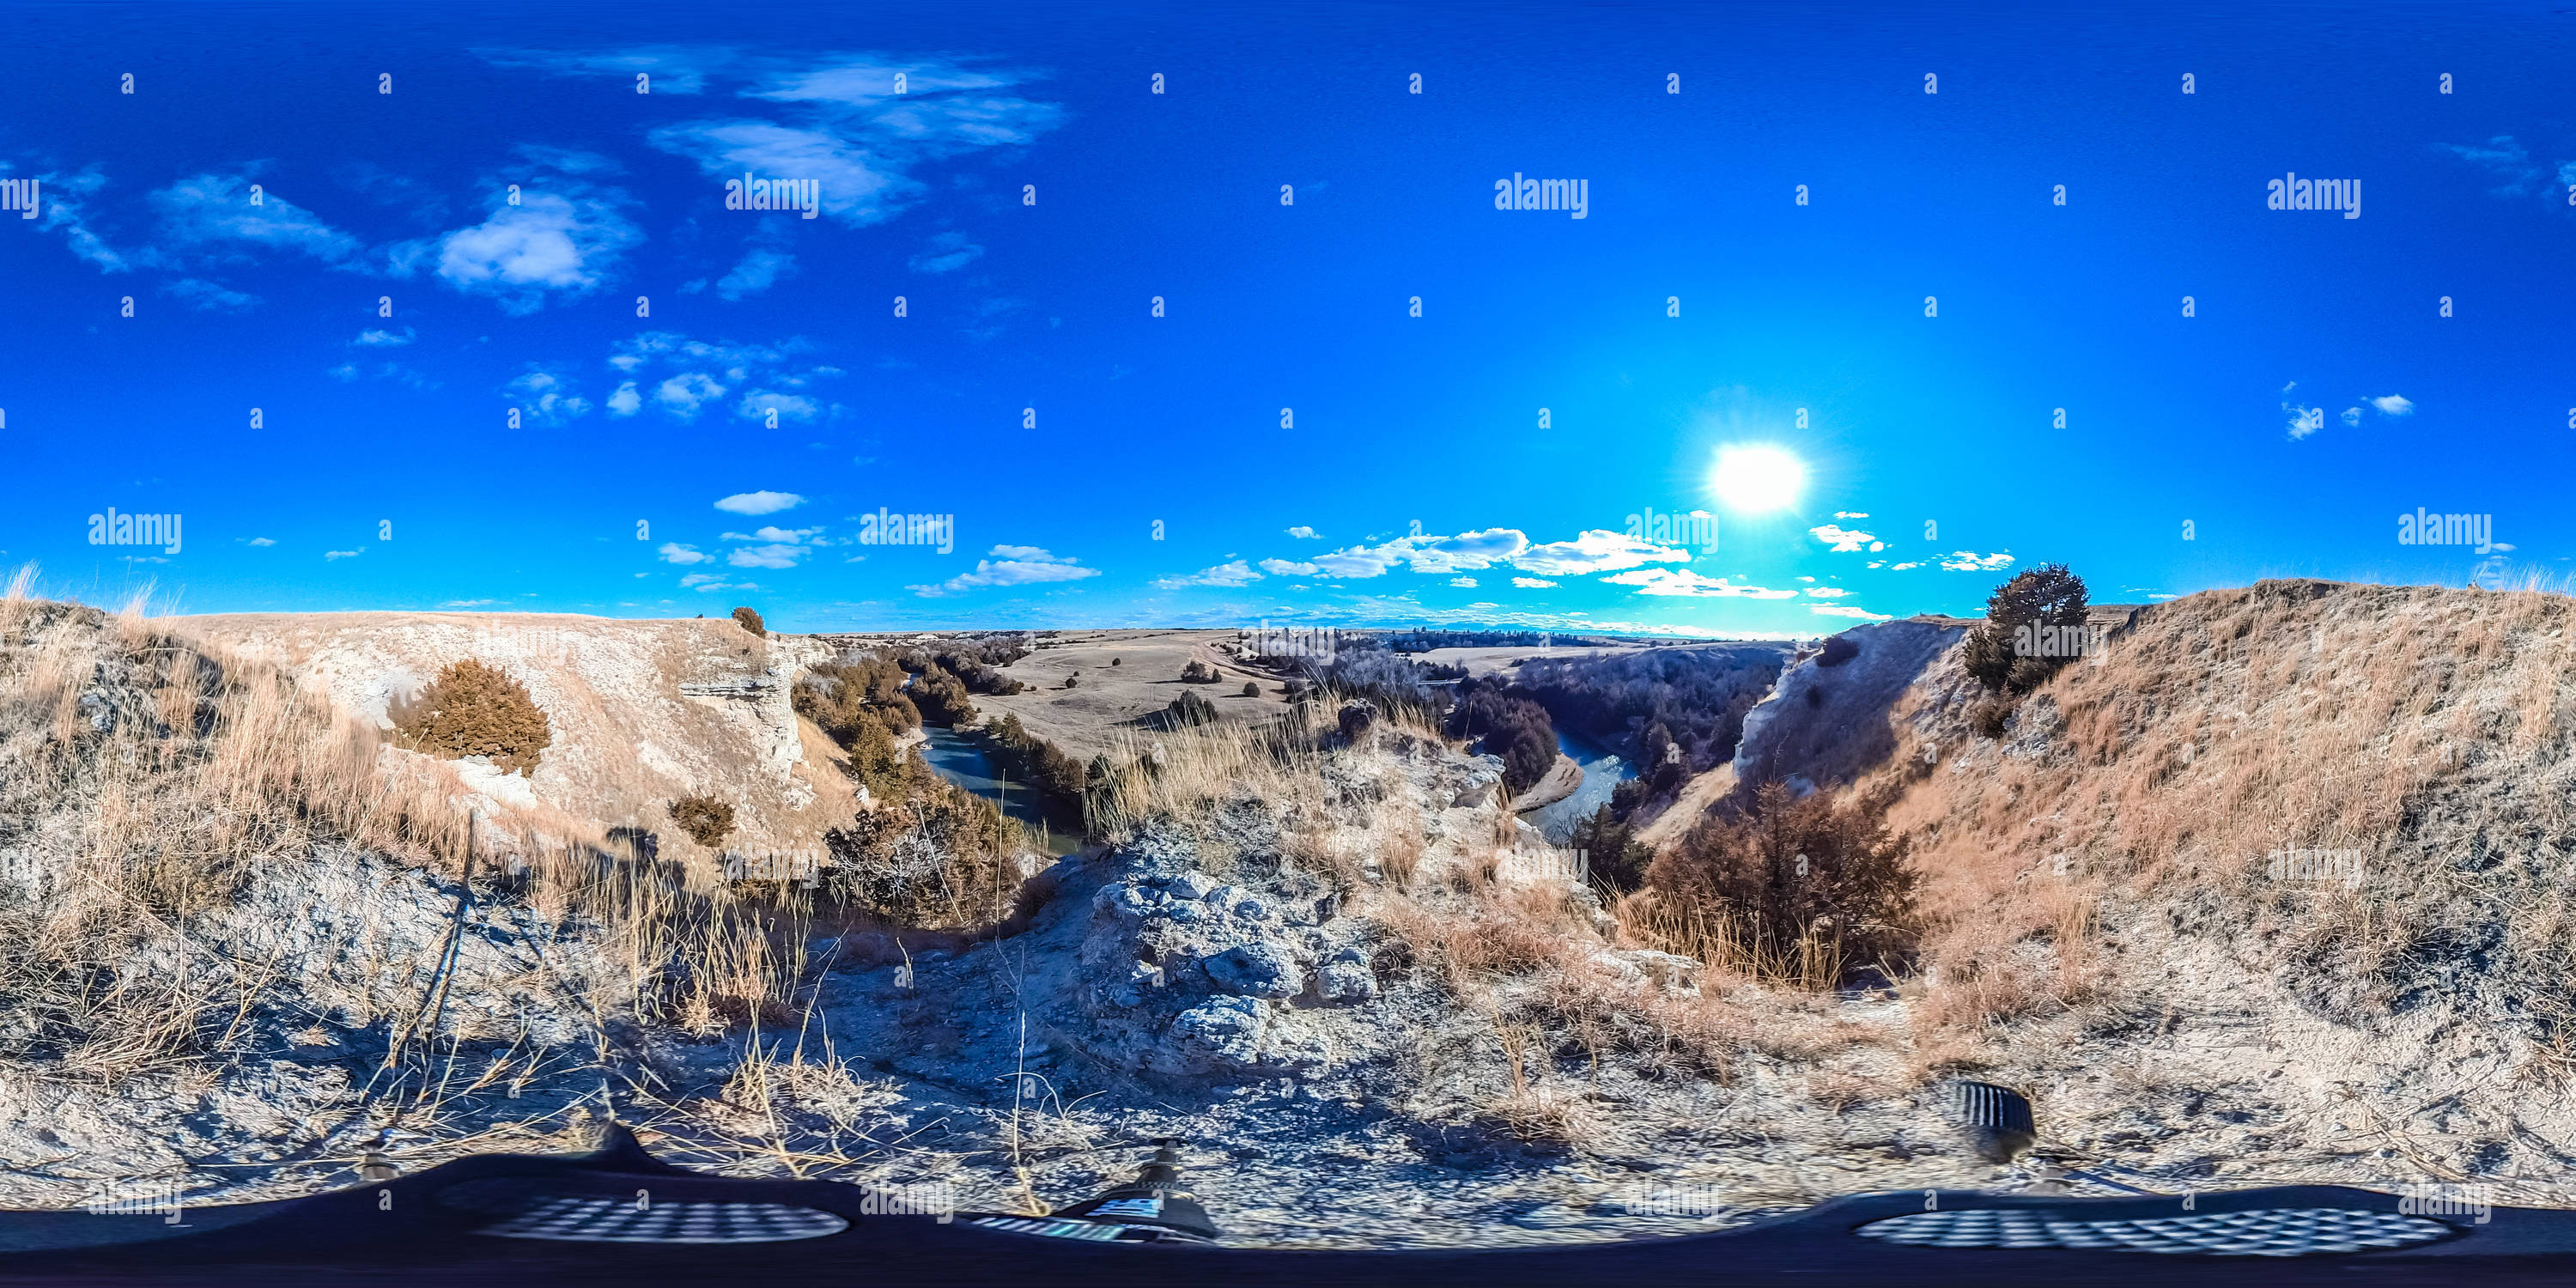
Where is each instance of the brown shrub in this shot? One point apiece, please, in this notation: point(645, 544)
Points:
point(1797, 877)
point(476, 710)
point(707, 820)
point(750, 621)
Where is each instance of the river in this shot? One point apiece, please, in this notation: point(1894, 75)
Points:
point(961, 760)
point(1603, 771)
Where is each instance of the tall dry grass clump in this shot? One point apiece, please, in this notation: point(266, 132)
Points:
point(146, 779)
point(2431, 732)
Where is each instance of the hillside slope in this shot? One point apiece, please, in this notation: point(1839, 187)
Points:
point(2123, 908)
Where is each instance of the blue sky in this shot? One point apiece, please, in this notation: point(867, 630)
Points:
point(2315, 393)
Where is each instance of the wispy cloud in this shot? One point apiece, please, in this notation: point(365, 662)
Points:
point(1970, 561)
point(946, 253)
point(1846, 610)
point(758, 503)
point(1010, 566)
point(1682, 581)
point(1232, 573)
point(833, 118)
point(558, 234)
point(758, 271)
point(547, 396)
point(1842, 540)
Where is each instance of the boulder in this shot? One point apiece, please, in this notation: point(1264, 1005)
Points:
point(1259, 969)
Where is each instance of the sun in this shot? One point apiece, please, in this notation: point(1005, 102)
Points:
point(1757, 478)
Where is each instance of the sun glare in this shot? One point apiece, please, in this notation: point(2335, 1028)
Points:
point(1759, 478)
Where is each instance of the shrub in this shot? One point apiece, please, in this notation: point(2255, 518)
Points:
point(2048, 595)
point(1512, 727)
point(941, 697)
point(1838, 650)
point(476, 710)
point(750, 621)
point(1198, 672)
point(1186, 710)
point(1251, 689)
point(1788, 868)
point(708, 821)
point(1072, 680)
point(936, 860)
point(1697, 698)
point(1115, 661)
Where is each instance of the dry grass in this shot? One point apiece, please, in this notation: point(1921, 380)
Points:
point(2417, 725)
point(150, 775)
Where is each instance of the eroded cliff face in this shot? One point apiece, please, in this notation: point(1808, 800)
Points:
point(642, 712)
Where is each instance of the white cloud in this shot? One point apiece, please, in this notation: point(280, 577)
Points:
point(1969, 561)
point(2351, 417)
point(769, 556)
point(1304, 533)
point(1846, 610)
point(1851, 514)
point(383, 339)
point(328, 555)
point(1010, 566)
point(1594, 550)
point(844, 126)
point(552, 243)
point(206, 297)
point(1235, 573)
point(2304, 420)
point(710, 582)
point(1903, 566)
point(1827, 592)
point(758, 503)
point(791, 536)
point(1468, 582)
point(1532, 583)
point(674, 552)
point(757, 272)
point(1843, 540)
point(2507, 160)
point(947, 252)
point(262, 541)
point(757, 405)
point(1682, 581)
point(2393, 405)
point(1288, 568)
point(707, 373)
point(549, 398)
